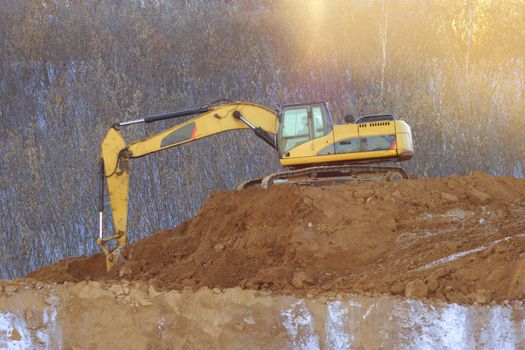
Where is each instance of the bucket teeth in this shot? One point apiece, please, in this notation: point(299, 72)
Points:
point(115, 259)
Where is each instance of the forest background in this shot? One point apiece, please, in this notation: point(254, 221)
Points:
point(455, 70)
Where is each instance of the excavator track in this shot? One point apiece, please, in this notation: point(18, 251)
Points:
point(329, 175)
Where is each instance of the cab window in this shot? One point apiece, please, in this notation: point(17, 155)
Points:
point(300, 124)
point(295, 129)
point(295, 122)
point(317, 116)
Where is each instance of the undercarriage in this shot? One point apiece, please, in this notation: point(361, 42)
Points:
point(329, 175)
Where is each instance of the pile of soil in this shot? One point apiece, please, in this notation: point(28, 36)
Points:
point(460, 239)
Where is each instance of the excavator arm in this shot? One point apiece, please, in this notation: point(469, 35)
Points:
point(116, 154)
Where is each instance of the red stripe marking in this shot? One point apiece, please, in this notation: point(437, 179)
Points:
point(194, 132)
point(394, 145)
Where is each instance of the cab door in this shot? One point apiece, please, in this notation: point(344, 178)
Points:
point(305, 131)
point(295, 132)
point(322, 135)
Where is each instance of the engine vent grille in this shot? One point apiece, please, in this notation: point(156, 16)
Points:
point(374, 124)
point(375, 118)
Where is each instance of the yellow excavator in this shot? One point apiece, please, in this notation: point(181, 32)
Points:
point(304, 136)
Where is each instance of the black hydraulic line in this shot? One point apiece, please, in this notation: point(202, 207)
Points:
point(156, 118)
point(260, 132)
point(265, 137)
point(170, 115)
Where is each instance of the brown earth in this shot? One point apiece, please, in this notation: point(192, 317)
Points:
point(460, 239)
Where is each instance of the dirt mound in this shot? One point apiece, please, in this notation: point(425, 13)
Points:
point(460, 239)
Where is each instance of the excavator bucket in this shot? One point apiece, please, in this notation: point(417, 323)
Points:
point(115, 259)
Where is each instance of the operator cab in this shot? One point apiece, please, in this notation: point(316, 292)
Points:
point(300, 123)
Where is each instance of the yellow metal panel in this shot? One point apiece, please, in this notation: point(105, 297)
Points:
point(345, 131)
point(405, 147)
point(337, 157)
point(377, 128)
point(303, 150)
point(322, 142)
